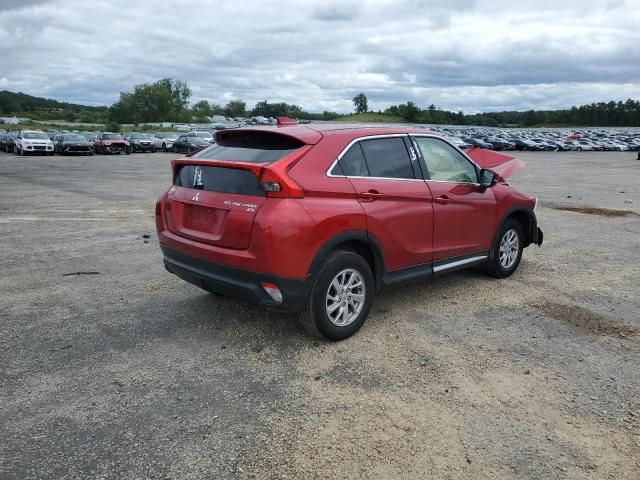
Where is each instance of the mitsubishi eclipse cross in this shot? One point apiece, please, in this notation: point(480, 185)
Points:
point(316, 219)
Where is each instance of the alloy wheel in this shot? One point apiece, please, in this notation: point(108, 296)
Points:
point(345, 297)
point(509, 249)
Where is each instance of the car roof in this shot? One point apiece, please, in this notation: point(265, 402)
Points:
point(313, 133)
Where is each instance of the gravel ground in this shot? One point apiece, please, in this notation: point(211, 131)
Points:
point(112, 368)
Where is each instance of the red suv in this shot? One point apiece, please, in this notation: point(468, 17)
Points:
point(318, 218)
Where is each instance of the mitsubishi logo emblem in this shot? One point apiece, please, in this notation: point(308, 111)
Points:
point(196, 197)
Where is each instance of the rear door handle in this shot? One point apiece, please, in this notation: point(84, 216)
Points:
point(372, 195)
point(442, 200)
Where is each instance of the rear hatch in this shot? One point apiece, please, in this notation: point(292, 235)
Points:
point(218, 192)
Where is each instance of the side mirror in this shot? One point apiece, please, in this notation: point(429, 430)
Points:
point(487, 178)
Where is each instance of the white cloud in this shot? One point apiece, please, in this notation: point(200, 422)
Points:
point(463, 54)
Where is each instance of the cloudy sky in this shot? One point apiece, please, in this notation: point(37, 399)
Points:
point(471, 55)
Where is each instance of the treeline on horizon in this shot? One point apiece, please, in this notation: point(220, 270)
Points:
point(168, 100)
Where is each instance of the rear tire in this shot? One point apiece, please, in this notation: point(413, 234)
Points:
point(507, 250)
point(324, 315)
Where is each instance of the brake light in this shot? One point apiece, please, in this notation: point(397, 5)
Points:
point(275, 179)
point(160, 225)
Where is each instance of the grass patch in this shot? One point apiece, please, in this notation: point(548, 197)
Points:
point(371, 117)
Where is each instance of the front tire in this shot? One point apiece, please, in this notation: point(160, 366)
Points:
point(507, 250)
point(340, 298)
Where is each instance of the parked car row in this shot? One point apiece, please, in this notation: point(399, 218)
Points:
point(542, 139)
point(26, 141)
point(90, 143)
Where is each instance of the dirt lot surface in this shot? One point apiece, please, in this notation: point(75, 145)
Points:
point(112, 368)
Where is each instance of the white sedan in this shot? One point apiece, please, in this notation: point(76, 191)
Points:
point(579, 146)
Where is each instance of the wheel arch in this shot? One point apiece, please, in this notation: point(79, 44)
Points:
point(358, 241)
point(526, 217)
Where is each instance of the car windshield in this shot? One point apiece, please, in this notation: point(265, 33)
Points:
point(111, 136)
point(35, 136)
point(142, 136)
point(204, 134)
point(198, 141)
point(74, 137)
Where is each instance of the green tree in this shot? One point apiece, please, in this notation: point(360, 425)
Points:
point(409, 111)
point(530, 118)
point(235, 108)
point(202, 109)
point(165, 99)
point(360, 103)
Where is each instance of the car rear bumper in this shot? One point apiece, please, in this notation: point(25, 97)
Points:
point(235, 282)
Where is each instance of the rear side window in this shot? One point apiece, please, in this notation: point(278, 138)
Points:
point(352, 163)
point(219, 179)
point(248, 146)
point(387, 157)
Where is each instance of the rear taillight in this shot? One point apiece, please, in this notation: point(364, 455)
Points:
point(159, 221)
point(275, 179)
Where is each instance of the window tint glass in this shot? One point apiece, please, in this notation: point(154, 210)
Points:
point(352, 163)
point(387, 157)
point(255, 147)
point(219, 179)
point(444, 162)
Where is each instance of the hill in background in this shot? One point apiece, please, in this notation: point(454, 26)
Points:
point(23, 105)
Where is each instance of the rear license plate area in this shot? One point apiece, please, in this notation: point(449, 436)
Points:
point(203, 219)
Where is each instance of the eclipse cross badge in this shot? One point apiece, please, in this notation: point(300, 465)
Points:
point(196, 197)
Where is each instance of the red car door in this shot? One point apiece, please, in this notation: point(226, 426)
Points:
point(395, 199)
point(464, 214)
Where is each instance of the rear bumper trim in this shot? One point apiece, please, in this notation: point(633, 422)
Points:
point(237, 283)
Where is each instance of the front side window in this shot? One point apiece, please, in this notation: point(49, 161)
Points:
point(444, 162)
point(387, 158)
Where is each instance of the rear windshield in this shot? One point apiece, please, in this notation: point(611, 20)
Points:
point(253, 147)
point(219, 179)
